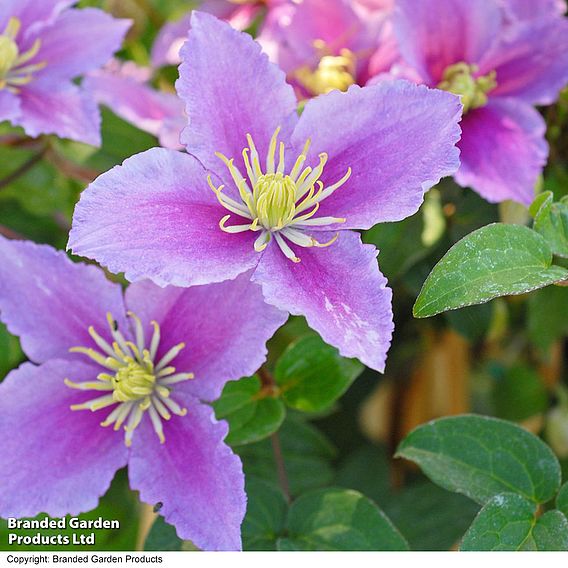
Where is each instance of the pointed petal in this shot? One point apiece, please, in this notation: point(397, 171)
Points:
point(351, 313)
point(194, 474)
point(155, 218)
point(531, 61)
point(66, 111)
point(399, 140)
point(79, 41)
point(50, 302)
point(230, 89)
point(54, 460)
point(433, 35)
point(503, 151)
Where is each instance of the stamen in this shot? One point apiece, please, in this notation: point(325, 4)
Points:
point(279, 205)
point(138, 384)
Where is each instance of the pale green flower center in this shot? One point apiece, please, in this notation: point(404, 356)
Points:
point(460, 79)
point(333, 72)
point(14, 68)
point(276, 204)
point(135, 384)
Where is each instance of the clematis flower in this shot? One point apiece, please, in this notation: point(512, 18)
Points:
point(44, 45)
point(141, 363)
point(265, 191)
point(125, 89)
point(239, 13)
point(324, 45)
point(500, 70)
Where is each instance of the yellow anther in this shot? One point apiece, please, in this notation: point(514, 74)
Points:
point(461, 79)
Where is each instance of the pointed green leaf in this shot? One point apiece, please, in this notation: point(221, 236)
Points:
point(482, 457)
point(510, 522)
point(252, 414)
point(266, 515)
point(551, 221)
point(496, 260)
point(339, 519)
point(562, 500)
point(312, 375)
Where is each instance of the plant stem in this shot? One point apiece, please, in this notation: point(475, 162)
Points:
point(280, 467)
point(9, 234)
point(269, 383)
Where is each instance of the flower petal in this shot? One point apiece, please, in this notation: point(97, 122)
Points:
point(66, 111)
point(54, 460)
point(9, 106)
point(195, 476)
point(503, 151)
point(531, 61)
point(397, 138)
point(434, 35)
point(168, 42)
point(50, 301)
point(79, 41)
point(525, 9)
point(155, 218)
point(225, 327)
point(352, 313)
point(135, 101)
point(230, 89)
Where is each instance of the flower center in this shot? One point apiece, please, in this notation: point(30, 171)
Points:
point(460, 79)
point(13, 69)
point(135, 383)
point(278, 205)
point(333, 72)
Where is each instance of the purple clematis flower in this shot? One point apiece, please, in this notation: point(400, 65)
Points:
point(265, 191)
point(324, 45)
point(500, 69)
point(125, 89)
point(101, 362)
point(44, 45)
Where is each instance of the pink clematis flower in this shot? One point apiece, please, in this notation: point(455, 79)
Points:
point(141, 362)
point(44, 45)
point(324, 45)
point(239, 13)
point(500, 70)
point(125, 89)
point(265, 191)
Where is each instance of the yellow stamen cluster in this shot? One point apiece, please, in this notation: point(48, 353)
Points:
point(460, 79)
point(333, 72)
point(14, 69)
point(275, 204)
point(135, 384)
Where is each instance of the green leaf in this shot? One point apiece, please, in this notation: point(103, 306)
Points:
point(548, 315)
point(307, 457)
point(482, 457)
point(509, 522)
point(339, 519)
point(520, 394)
point(496, 260)
point(266, 515)
point(429, 517)
point(10, 351)
point(312, 375)
point(562, 500)
point(251, 413)
point(551, 221)
point(163, 536)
